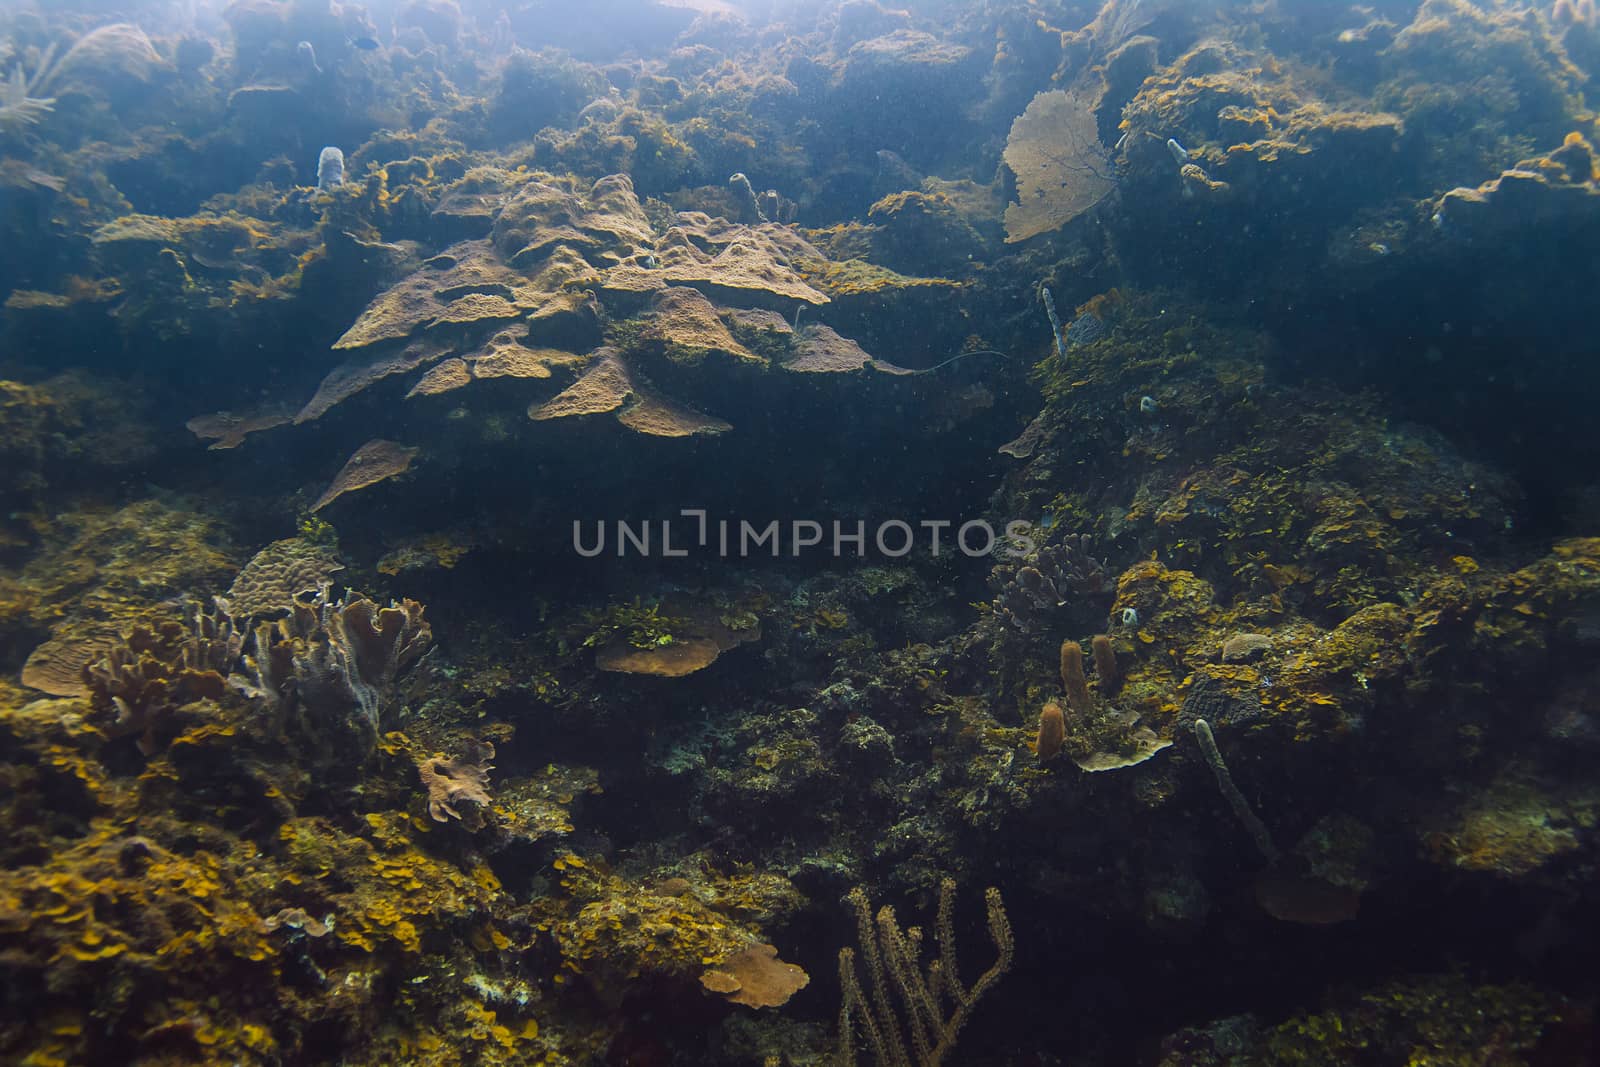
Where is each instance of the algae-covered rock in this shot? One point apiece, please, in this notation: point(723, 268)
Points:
point(607, 218)
point(616, 931)
point(1558, 189)
point(63, 428)
point(1446, 1018)
point(106, 569)
point(924, 231)
point(686, 323)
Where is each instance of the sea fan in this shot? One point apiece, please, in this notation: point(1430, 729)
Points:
point(1062, 168)
point(1128, 17)
point(120, 47)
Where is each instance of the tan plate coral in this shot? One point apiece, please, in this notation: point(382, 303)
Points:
point(697, 633)
point(376, 461)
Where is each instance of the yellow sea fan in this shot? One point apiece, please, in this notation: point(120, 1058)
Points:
point(1062, 168)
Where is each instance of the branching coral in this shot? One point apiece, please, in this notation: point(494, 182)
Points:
point(148, 675)
point(1060, 574)
point(893, 958)
point(121, 45)
point(18, 105)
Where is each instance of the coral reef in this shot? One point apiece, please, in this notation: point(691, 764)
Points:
point(1133, 455)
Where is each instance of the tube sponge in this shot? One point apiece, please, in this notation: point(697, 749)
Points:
point(330, 169)
point(1236, 799)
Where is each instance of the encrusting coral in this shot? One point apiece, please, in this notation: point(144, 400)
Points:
point(756, 978)
point(226, 429)
point(681, 636)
